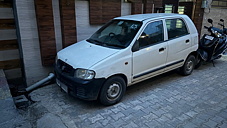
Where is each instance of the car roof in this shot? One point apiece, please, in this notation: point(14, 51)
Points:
point(142, 17)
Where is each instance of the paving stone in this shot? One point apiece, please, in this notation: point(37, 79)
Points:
point(211, 124)
point(191, 113)
point(175, 122)
point(116, 110)
point(119, 123)
point(50, 121)
point(131, 125)
point(106, 121)
point(117, 116)
point(153, 124)
point(183, 117)
point(198, 122)
point(150, 116)
point(217, 119)
point(159, 112)
point(189, 125)
point(128, 111)
point(96, 125)
point(203, 116)
point(135, 102)
point(95, 118)
point(224, 125)
point(163, 119)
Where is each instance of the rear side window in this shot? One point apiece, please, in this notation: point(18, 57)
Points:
point(152, 34)
point(176, 28)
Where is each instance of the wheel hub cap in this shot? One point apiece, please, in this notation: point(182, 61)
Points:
point(113, 90)
point(189, 65)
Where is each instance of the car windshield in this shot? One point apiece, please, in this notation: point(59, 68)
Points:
point(116, 33)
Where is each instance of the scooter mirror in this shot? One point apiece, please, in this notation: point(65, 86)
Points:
point(221, 20)
point(210, 21)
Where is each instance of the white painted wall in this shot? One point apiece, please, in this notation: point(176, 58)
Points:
point(34, 70)
point(57, 24)
point(84, 29)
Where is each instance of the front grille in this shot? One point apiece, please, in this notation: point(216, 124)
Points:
point(65, 68)
point(80, 91)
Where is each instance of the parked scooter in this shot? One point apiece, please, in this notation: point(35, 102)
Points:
point(211, 46)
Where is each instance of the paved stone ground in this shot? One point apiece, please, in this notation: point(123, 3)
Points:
point(9, 115)
point(167, 101)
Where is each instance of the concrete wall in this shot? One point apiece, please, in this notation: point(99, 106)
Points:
point(34, 70)
point(215, 14)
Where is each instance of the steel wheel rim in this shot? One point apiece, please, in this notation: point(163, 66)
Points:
point(189, 66)
point(113, 91)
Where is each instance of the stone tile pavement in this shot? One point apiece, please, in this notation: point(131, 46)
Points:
point(167, 101)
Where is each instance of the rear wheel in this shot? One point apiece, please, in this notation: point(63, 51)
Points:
point(112, 90)
point(188, 66)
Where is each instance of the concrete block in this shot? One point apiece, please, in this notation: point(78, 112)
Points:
point(21, 101)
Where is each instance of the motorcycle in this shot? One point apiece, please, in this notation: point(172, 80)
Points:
point(211, 46)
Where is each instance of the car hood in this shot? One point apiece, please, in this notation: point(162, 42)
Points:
point(84, 54)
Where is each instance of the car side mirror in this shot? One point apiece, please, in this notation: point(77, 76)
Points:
point(136, 46)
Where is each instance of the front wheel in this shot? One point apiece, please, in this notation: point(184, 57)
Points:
point(112, 90)
point(188, 66)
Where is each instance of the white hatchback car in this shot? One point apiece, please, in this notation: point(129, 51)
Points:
point(125, 51)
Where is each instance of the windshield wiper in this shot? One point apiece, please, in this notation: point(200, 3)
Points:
point(115, 45)
point(95, 41)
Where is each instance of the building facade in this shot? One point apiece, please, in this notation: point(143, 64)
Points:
point(43, 27)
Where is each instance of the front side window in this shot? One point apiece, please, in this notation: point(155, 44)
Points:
point(152, 34)
point(116, 34)
point(176, 28)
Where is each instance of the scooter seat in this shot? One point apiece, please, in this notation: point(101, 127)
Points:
point(208, 43)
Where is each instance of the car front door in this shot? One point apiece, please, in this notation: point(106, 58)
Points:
point(150, 59)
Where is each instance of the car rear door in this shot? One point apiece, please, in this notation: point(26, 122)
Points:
point(179, 42)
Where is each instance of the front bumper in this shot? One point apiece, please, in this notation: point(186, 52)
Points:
point(83, 89)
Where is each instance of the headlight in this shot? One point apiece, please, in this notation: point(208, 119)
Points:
point(84, 74)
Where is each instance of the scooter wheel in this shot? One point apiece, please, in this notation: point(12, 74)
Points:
point(199, 62)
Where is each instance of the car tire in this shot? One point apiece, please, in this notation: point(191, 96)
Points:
point(188, 66)
point(112, 90)
point(199, 62)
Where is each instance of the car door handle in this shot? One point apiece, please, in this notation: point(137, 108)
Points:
point(161, 49)
point(187, 41)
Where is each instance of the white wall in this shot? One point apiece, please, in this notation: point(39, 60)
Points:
point(57, 24)
point(84, 29)
point(34, 70)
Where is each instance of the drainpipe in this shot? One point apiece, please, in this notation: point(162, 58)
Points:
point(40, 83)
point(23, 100)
